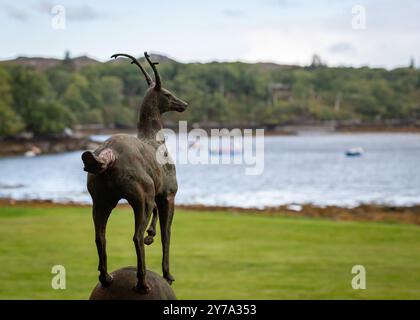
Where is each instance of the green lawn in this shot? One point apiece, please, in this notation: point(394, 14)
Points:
point(214, 255)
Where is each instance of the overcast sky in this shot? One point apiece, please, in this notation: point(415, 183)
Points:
point(282, 31)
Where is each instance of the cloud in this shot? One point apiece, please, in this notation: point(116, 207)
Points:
point(284, 3)
point(83, 13)
point(15, 13)
point(75, 13)
point(342, 47)
point(43, 6)
point(289, 45)
point(233, 13)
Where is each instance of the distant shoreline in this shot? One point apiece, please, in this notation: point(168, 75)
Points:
point(38, 146)
point(21, 146)
point(365, 212)
point(287, 130)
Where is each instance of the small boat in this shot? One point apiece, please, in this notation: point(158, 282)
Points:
point(30, 153)
point(193, 145)
point(294, 207)
point(355, 152)
point(34, 151)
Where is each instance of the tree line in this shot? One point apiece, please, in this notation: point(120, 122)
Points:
point(47, 101)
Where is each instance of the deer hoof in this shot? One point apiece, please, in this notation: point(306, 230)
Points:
point(105, 280)
point(169, 278)
point(142, 288)
point(148, 240)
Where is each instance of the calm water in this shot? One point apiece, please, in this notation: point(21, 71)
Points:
point(298, 170)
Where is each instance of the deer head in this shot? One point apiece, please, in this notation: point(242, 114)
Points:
point(162, 98)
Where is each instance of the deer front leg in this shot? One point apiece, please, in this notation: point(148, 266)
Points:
point(166, 212)
point(141, 218)
point(100, 218)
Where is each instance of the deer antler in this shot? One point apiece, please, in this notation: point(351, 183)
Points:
point(134, 61)
point(158, 83)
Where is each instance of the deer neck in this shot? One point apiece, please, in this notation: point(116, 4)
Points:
point(150, 119)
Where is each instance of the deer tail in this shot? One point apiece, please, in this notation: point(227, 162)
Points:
point(98, 163)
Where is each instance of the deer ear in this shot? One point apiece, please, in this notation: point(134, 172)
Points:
point(156, 88)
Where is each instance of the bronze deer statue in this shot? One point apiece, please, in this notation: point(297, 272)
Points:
point(126, 167)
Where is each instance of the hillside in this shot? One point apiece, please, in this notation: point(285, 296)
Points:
point(43, 64)
point(45, 96)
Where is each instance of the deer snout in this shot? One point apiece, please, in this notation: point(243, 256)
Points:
point(180, 105)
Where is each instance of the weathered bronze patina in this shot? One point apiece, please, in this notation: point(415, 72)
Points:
point(123, 282)
point(126, 167)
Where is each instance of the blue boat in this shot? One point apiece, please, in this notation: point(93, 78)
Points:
point(355, 152)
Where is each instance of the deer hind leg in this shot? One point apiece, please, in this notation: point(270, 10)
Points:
point(151, 232)
point(100, 219)
point(166, 212)
point(141, 217)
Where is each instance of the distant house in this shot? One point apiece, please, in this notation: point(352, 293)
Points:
point(278, 91)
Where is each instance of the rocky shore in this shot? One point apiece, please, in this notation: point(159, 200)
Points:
point(36, 146)
point(368, 213)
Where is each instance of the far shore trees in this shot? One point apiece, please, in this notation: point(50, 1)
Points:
point(47, 100)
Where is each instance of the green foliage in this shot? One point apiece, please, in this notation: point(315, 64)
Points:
point(10, 122)
point(50, 117)
point(109, 94)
